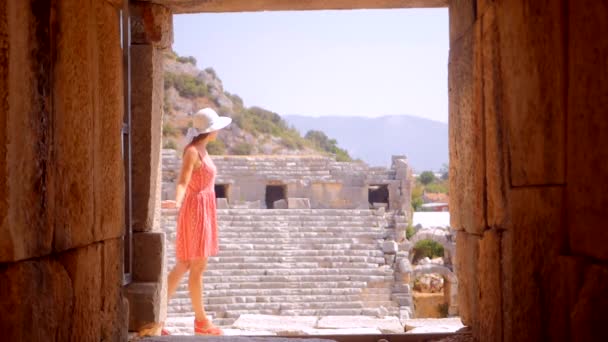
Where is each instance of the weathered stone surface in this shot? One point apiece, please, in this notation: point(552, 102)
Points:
point(298, 203)
point(462, 17)
point(222, 203)
point(108, 164)
point(144, 304)
point(280, 204)
point(587, 127)
point(530, 247)
point(466, 267)
point(114, 311)
point(490, 287)
point(84, 266)
point(37, 299)
point(6, 245)
point(25, 54)
point(275, 323)
point(151, 24)
point(146, 106)
point(390, 247)
point(467, 164)
point(567, 279)
point(189, 6)
point(589, 319)
point(497, 181)
point(387, 325)
point(531, 37)
point(148, 256)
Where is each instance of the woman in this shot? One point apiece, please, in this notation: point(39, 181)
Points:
point(197, 225)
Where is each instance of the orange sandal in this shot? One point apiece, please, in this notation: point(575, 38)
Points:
point(205, 327)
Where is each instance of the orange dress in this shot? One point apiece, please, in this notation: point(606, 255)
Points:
point(197, 221)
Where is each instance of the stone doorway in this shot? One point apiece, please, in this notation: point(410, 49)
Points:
point(221, 191)
point(275, 193)
point(378, 196)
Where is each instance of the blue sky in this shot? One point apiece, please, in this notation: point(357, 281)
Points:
point(363, 63)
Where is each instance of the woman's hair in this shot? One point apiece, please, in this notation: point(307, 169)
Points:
point(198, 138)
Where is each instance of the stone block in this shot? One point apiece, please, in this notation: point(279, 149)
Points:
point(567, 279)
point(531, 58)
point(144, 304)
point(497, 179)
point(151, 24)
point(588, 316)
point(490, 286)
point(148, 256)
point(113, 312)
point(280, 204)
point(222, 203)
point(146, 113)
point(467, 164)
point(74, 118)
point(529, 248)
point(84, 266)
point(466, 267)
point(108, 163)
point(390, 247)
point(586, 128)
point(25, 130)
point(37, 301)
point(298, 203)
point(462, 16)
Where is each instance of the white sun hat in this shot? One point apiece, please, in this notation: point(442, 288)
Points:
point(206, 120)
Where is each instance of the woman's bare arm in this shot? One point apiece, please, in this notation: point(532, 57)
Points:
point(190, 158)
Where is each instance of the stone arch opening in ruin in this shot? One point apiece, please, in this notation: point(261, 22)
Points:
point(275, 193)
point(378, 195)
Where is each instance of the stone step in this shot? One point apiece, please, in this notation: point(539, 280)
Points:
point(292, 234)
point(250, 260)
point(305, 271)
point(219, 266)
point(297, 253)
point(244, 248)
point(307, 312)
point(184, 297)
point(366, 293)
point(286, 285)
point(271, 240)
point(211, 279)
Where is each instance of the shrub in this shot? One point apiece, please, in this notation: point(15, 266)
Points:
point(427, 248)
point(187, 59)
point(417, 202)
point(427, 177)
point(438, 187)
point(169, 130)
point(216, 148)
point(186, 85)
point(211, 72)
point(242, 149)
point(170, 144)
point(409, 231)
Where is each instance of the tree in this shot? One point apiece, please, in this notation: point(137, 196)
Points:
point(445, 172)
point(427, 177)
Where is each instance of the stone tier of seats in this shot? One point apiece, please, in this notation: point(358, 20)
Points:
point(292, 262)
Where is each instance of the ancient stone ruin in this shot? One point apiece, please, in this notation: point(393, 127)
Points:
point(330, 241)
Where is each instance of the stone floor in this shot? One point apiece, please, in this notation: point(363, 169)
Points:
point(265, 326)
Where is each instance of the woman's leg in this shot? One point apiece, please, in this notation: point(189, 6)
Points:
point(197, 268)
point(175, 276)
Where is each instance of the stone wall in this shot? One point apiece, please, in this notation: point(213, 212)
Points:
point(61, 173)
point(327, 184)
point(527, 160)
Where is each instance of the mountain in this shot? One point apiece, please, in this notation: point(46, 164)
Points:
point(375, 140)
point(254, 130)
